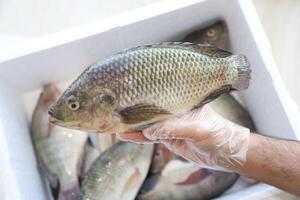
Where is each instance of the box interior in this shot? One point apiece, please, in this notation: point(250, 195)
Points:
point(62, 56)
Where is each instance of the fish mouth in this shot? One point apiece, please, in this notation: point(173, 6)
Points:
point(104, 127)
point(75, 125)
point(54, 120)
point(51, 111)
point(58, 122)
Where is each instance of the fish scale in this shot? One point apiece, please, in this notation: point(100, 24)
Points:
point(161, 82)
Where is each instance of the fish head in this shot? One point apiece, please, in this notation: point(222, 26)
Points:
point(85, 106)
point(48, 96)
point(215, 34)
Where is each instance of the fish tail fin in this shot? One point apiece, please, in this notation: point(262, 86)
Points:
point(72, 193)
point(243, 69)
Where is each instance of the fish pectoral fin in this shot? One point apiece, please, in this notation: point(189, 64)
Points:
point(211, 51)
point(141, 112)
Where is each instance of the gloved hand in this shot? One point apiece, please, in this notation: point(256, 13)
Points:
point(201, 136)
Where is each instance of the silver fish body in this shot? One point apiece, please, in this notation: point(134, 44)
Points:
point(58, 149)
point(91, 154)
point(143, 85)
point(187, 181)
point(118, 173)
point(95, 148)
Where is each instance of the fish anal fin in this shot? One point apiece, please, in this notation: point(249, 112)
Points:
point(213, 95)
point(212, 51)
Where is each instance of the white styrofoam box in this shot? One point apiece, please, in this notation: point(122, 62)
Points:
point(62, 56)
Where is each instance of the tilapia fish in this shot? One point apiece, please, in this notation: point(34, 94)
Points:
point(140, 86)
point(59, 150)
point(118, 173)
point(215, 34)
point(183, 180)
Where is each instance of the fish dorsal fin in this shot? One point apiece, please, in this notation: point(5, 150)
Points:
point(213, 95)
point(211, 51)
point(204, 49)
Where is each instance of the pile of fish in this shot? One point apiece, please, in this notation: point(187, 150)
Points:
point(130, 91)
point(59, 150)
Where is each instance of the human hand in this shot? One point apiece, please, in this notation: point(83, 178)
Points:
point(201, 136)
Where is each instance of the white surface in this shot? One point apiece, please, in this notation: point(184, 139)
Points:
point(7, 40)
point(32, 18)
point(6, 187)
point(18, 175)
point(62, 56)
point(281, 20)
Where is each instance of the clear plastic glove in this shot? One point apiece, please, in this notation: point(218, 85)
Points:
point(201, 136)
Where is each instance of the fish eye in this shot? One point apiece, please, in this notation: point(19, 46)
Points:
point(211, 33)
point(74, 106)
point(72, 103)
